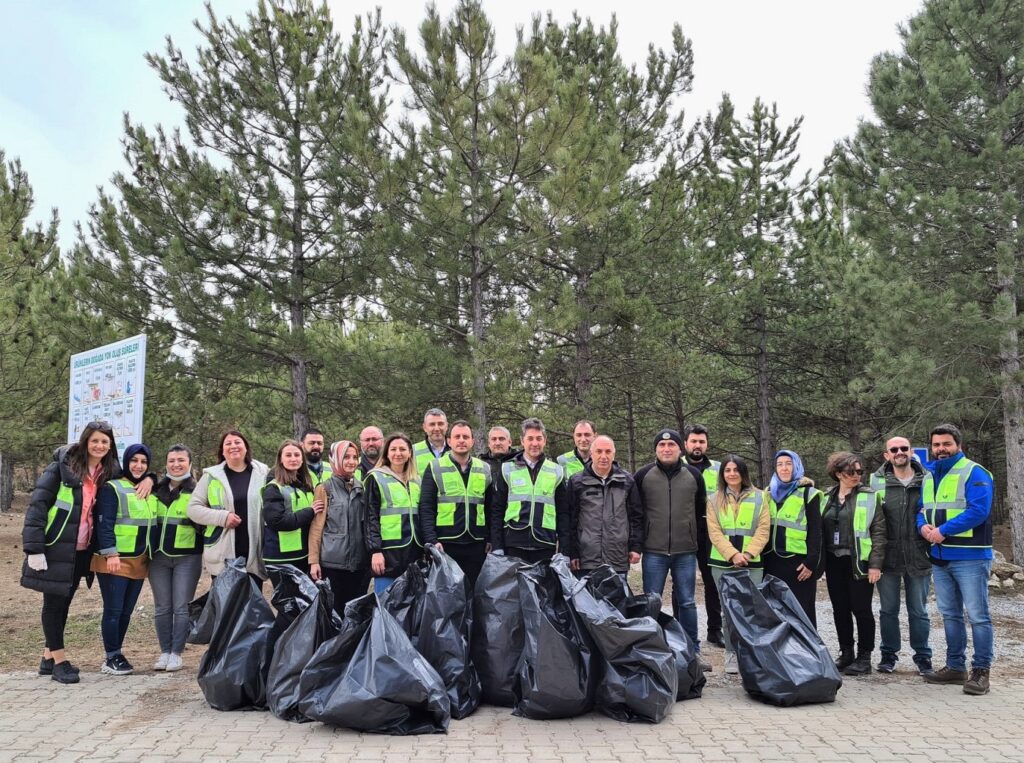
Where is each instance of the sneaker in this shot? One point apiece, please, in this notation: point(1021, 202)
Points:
point(704, 666)
point(887, 663)
point(946, 676)
point(861, 666)
point(731, 664)
point(161, 661)
point(64, 673)
point(174, 663)
point(977, 684)
point(715, 637)
point(46, 666)
point(924, 666)
point(844, 660)
point(117, 666)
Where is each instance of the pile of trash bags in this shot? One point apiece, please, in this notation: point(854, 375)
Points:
point(781, 657)
point(534, 638)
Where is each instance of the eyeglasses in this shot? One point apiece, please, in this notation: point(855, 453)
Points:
point(103, 426)
point(853, 472)
point(900, 449)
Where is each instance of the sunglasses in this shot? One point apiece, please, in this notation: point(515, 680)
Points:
point(900, 449)
point(853, 472)
point(102, 426)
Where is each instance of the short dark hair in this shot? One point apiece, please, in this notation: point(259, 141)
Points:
point(951, 429)
point(531, 423)
point(310, 430)
point(460, 423)
point(696, 429)
point(588, 422)
point(179, 448)
point(236, 433)
point(841, 461)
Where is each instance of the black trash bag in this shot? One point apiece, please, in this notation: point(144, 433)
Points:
point(200, 620)
point(295, 648)
point(404, 598)
point(445, 631)
point(781, 658)
point(643, 605)
point(555, 677)
point(688, 667)
point(231, 673)
point(497, 635)
point(294, 591)
point(370, 678)
point(639, 680)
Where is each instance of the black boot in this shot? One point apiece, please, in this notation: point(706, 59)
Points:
point(860, 666)
point(715, 637)
point(845, 658)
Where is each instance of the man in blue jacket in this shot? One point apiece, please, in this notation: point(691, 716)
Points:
point(956, 518)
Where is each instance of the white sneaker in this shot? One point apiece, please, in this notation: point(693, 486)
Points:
point(161, 662)
point(174, 663)
point(731, 665)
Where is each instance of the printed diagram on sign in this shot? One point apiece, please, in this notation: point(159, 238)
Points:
point(106, 385)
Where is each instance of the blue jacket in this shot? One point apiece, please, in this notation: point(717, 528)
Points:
point(979, 508)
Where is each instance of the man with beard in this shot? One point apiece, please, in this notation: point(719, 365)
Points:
point(313, 447)
point(899, 480)
point(696, 446)
point(370, 441)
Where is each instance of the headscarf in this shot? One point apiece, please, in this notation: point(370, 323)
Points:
point(338, 450)
point(129, 453)
point(782, 490)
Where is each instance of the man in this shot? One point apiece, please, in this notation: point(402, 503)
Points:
point(499, 449)
point(435, 427)
point(606, 520)
point(371, 440)
point(530, 513)
point(696, 446)
point(898, 482)
point(956, 518)
point(455, 494)
point(574, 460)
point(313, 446)
point(672, 497)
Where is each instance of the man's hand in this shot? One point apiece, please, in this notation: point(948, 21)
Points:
point(377, 564)
point(937, 537)
point(439, 547)
point(634, 557)
point(314, 572)
point(926, 532)
point(574, 565)
point(874, 575)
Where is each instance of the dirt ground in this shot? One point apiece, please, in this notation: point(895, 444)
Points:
point(21, 633)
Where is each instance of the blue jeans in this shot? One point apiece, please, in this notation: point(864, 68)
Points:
point(380, 585)
point(963, 584)
point(120, 595)
point(917, 612)
point(656, 567)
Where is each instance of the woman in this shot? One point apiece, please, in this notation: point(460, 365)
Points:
point(122, 559)
point(288, 509)
point(337, 537)
point(176, 558)
point(228, 501)
point(739, 526)
point(854, 530)
point(58, 535)
point(794, 549)
point(392, 498)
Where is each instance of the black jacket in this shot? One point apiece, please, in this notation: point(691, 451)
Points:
point(607, 518)
point(906, 552)
point(396, 560)
point(428, 507)
point(502, 537)
point(495, 462)
point(278, 515)
point(831, 509)
point(59, 576)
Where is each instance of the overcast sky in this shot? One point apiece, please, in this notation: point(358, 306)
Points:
point(71, 68)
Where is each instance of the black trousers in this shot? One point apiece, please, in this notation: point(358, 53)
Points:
point(469, 556)
point(346, 585)
point(531, 555)
point(805, 591)
point(851, 600)
point(55, 608)
point(712, 602)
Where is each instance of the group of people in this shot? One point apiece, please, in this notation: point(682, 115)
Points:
point(368, 510)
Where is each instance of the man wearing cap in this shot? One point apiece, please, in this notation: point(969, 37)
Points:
point(672, 497)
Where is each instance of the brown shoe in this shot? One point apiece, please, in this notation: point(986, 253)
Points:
point(946, 676)
point(977, 684)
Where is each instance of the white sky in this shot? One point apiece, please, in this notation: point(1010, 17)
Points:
point(71, 68)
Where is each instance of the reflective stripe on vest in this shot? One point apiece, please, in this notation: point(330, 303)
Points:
point(460, 504)
point(792, 517)
point(215, 500)
point(399, 505)
point(134, 517)
point(177, 533)
point(950, 501)
point(423, 455)
point(739, 527)
point(288, 545)
point(525, 496)
point(877, 482)
point(570, 464)
point(325, 474)
point(710, 476)
point(863, 513)
point(57, 516)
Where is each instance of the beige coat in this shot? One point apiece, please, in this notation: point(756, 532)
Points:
point(721, 541)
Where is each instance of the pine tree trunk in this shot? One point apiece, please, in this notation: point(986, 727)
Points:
point(476, 296)
point(631, 432)
point(584, 352)
point(1013, 396)
point(766, 445)
point(6, 482)
point(297, 316)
